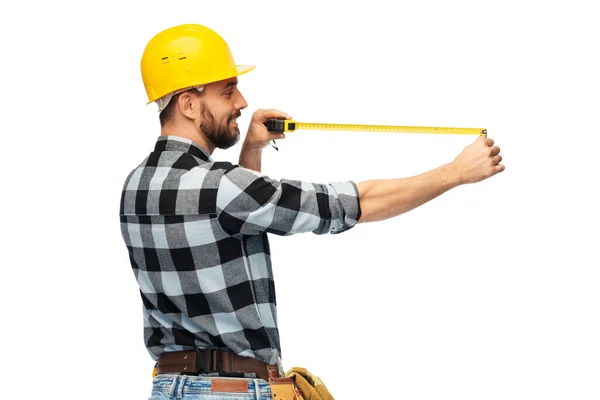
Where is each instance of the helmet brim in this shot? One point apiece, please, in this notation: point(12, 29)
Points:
point(242, 69)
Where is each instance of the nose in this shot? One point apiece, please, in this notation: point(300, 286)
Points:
point(240, 103)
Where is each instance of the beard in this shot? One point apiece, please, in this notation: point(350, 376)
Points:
point(220, 133)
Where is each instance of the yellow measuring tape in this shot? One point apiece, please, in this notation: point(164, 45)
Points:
point(290, 125)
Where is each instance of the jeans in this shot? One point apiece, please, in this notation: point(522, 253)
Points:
point(171, 386)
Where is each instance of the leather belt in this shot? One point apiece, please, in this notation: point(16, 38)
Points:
point(211, 360)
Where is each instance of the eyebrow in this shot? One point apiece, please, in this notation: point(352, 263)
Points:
point(229, 85)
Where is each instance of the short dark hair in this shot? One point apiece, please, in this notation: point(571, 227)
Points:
point(166, 114)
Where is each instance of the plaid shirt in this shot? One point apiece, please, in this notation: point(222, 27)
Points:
point(196, 232)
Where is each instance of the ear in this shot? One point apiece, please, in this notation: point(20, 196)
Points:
point(187, 105)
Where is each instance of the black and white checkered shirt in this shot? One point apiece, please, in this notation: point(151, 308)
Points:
point(196, 232)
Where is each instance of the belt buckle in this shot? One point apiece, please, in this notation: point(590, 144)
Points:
point(217, 354)
point(204, 360)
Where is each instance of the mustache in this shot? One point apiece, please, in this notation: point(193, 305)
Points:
point(236, 115)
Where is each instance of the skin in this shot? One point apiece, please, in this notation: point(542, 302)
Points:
point(209, 119)
point(387, 198)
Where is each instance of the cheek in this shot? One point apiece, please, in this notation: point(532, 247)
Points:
point(221, 110)
point(223, 114)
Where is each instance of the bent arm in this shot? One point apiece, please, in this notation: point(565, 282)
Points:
point(386, 198)
point(250, 158)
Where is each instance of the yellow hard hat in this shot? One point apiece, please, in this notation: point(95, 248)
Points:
point(184, 56)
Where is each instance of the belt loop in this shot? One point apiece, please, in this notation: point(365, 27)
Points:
point(175, 379)
point(257, 389)
point(181, 385)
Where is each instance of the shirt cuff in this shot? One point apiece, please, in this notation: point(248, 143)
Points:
point(349, 198)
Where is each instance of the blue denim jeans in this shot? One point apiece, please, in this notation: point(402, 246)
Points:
point(172, 386)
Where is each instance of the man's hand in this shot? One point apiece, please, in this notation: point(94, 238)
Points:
point(478, 161)
point(258, 136)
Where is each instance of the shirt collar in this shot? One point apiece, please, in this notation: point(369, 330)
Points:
point(178, 143)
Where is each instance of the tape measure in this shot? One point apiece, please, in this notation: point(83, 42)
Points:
point(290, 125)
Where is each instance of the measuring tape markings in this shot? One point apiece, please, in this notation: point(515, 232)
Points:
point(286, 125)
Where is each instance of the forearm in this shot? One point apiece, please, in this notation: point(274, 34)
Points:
point(250, 158)
point(386, 198)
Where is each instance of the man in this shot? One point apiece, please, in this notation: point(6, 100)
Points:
point(196, 229)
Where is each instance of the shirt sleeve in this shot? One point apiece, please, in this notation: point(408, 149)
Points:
point(249, 202)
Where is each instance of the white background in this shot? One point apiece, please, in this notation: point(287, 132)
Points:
point(490, 291)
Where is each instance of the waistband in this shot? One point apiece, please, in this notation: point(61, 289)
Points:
point(174, 385)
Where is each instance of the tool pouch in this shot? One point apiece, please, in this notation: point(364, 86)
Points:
point(282, 388)
point(311, 386)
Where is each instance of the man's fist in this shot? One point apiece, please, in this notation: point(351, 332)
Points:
point(258, 135)
point(478, 161)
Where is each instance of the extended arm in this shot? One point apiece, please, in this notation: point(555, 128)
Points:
point(386, 198)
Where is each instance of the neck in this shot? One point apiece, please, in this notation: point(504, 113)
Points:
point(190, 133)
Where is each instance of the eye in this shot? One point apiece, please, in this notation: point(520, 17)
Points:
point(228, 94)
